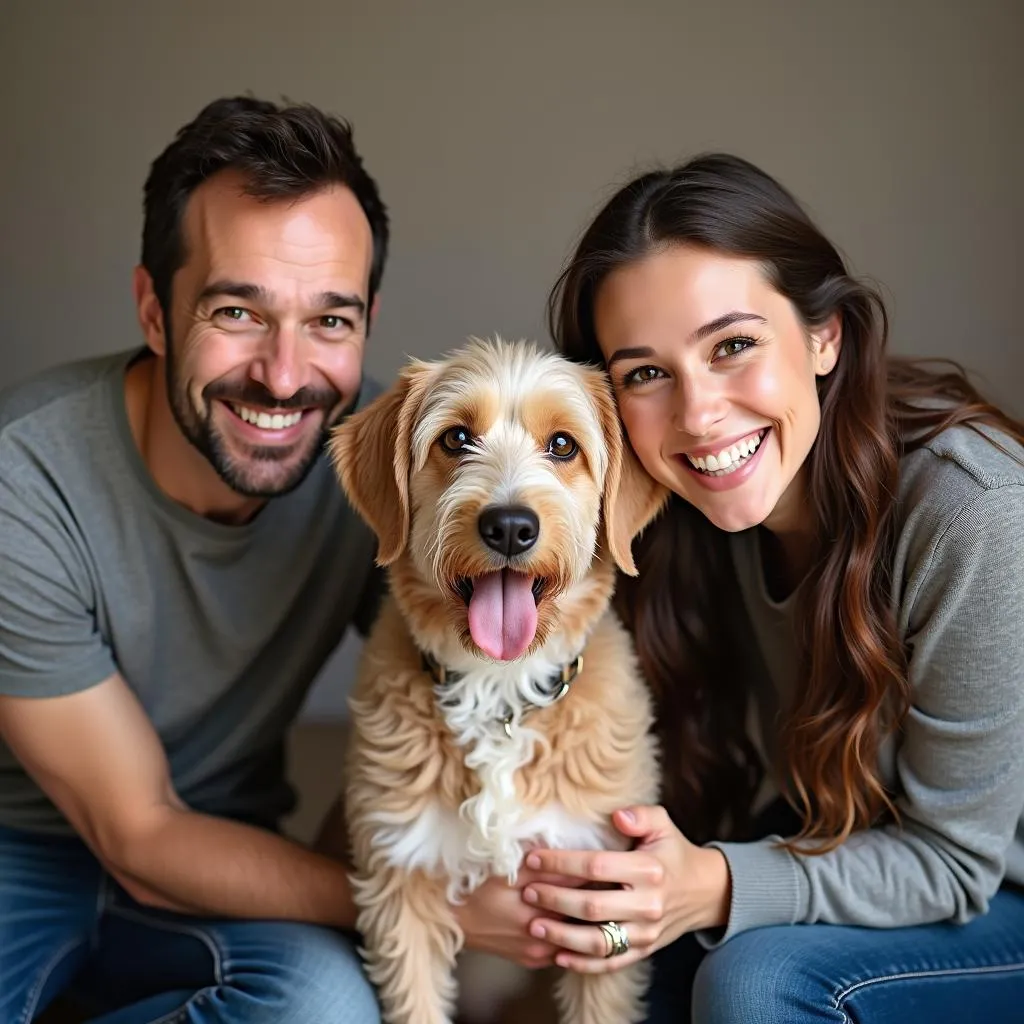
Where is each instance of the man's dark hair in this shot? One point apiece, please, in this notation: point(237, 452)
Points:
point(284, 152)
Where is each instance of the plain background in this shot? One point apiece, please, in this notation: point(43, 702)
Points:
point(495, 130)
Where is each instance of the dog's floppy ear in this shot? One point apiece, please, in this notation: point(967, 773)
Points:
point(631, 498)
point(370, 452)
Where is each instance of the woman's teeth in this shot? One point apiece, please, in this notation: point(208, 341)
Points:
point(728, 460)
point(266, 420)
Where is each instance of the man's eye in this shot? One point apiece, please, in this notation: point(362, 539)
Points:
point(331, 322)
point(232, 313)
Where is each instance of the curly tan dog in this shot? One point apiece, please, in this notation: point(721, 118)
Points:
point(498, 704)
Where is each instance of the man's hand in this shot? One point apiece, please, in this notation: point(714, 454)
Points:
point(97, 756)
point(494, 919)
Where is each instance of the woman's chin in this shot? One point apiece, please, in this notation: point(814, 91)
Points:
point(735, 517)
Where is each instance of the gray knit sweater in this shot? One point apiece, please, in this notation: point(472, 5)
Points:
point(957, 766)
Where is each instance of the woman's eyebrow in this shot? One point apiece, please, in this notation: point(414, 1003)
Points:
point(737, 316)
point(630, 353)
point(727, 320)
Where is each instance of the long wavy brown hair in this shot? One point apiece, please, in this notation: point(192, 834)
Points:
point(874, 409)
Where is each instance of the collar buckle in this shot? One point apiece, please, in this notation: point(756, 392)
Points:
point(568, 674)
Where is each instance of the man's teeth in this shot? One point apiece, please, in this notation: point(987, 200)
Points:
point(729, 459)
point(266, 420)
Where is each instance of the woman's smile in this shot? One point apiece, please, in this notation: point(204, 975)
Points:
point(722, 467)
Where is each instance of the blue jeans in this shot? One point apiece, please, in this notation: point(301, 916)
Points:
point(66, 926)
point(791, 974)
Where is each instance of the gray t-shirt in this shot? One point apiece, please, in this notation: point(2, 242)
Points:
point(957, 766)
point(218, 629)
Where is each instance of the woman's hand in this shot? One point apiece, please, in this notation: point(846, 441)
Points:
point(664, 887)
point(495, 919)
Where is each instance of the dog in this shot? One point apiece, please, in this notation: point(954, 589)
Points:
point(498, 704)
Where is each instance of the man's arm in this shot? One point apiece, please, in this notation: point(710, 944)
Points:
point(97, 756)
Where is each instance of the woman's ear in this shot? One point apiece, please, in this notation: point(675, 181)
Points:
point(826, 343)
point(370, 452)
point(631, 497)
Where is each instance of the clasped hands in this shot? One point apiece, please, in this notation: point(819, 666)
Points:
point(655, 892)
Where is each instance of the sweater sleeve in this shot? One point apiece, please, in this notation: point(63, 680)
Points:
point(959, 763)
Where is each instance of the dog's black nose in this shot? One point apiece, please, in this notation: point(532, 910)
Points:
point(509, 529)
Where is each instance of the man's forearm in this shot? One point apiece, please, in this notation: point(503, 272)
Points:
point(197, 864)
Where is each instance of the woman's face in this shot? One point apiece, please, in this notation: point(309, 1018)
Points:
point(715, 376)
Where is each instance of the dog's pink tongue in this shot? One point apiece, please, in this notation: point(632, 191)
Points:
point(503, 614)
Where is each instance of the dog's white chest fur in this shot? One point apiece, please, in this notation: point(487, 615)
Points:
point(452, 843)
point(490, 831)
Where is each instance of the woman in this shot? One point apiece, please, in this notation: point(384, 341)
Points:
point(828, 609)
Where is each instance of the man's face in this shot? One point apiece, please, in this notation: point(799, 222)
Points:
point(267, 328)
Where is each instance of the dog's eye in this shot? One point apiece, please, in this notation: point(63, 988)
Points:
point(562, 446)
point(455, 439)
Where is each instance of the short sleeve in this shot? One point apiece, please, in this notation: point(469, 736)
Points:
point(49, 641)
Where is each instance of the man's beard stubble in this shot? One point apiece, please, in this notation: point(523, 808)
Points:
point(241, 474)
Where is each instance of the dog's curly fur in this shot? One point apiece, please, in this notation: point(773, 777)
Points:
point(438, 797)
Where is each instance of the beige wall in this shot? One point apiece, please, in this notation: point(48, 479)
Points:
point(496, 129)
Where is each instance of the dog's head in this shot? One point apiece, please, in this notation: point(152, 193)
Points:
point(497, 474)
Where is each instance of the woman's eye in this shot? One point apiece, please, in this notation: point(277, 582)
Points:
point(734, 346)
point(562, 446)
point(455, 440)
point(642, 375)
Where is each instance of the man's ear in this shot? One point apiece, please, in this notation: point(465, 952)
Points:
point(632, 498)
point(147, 307)
point(370, 452)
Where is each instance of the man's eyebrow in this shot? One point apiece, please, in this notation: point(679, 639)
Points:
point(338, 300)
point(236, 289)
point(720, 323)
point(629, 353)
point(257, 293)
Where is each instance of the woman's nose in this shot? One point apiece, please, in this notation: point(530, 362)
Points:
point(698, 406)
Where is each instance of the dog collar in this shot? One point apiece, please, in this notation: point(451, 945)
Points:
point(559, 683)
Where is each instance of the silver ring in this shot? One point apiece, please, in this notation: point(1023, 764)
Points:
point(618, 940)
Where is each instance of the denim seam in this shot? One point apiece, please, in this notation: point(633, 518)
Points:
point(181, 929)
point(844, 994)
point(180, 1013)
point(37, 989)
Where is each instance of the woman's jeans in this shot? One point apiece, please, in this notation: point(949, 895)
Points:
point(791, 974)
point(64, 924)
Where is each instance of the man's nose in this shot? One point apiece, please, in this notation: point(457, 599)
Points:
point(282, 363)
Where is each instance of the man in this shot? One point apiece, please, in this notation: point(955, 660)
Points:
point(176, 563)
